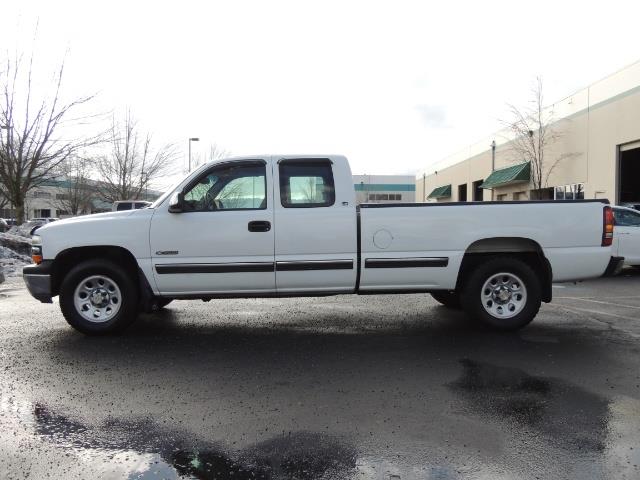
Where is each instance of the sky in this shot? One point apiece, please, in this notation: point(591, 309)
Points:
point(395, 86)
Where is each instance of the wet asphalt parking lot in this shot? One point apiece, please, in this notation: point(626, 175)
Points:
point(387, 387)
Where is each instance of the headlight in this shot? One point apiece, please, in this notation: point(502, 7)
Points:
point(36, 249)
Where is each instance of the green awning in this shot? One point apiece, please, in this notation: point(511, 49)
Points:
point(509, 175)
point(441, 192)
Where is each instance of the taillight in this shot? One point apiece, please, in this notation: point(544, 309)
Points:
point(607, 228)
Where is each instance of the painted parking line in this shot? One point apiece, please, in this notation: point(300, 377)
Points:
point(608, 296)
point(579, 311)
point(586, 299)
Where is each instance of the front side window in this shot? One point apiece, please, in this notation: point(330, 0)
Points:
point(228, 187)
point(307, 183)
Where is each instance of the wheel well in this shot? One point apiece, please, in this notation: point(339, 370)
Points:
point(71, 257)
point(524, 249)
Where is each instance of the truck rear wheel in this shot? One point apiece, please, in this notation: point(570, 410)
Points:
point(99, 297)
point(504, 293)
point(448, 299)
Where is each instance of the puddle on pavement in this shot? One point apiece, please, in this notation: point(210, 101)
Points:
point(141, 449)
point(569, 415)
point(585, 425)
point(582, 423)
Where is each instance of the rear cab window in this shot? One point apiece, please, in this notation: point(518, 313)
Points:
point(306, 183)
point(124, 206)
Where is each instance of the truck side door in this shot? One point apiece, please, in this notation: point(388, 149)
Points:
point(316, 230)
point(222, 241)
point(627, 235)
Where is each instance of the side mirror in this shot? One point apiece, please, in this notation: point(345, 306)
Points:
point(176, 202)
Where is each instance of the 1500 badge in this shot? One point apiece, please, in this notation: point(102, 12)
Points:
point(167, 252)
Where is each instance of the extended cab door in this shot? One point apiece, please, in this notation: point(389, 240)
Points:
point(316, 230)
point(222, 241)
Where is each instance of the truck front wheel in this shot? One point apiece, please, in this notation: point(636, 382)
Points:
point(504, 293)
point(98, 297)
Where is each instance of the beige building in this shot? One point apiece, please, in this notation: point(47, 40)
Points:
point(598, 148)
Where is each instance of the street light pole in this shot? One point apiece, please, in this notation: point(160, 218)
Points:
point(192, 139)
point(493, 161)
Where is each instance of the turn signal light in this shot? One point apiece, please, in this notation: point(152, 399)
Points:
point(607, 229)
point(36, 255)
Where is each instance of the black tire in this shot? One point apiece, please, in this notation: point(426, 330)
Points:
point(448, 299)
point(472, 300)
point(128, 301)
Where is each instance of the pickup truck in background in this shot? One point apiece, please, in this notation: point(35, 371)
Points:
point(289, 226)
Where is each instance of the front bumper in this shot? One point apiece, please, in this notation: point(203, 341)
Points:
point(614, 267)
point(38, 280)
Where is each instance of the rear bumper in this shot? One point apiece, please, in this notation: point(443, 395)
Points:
point(38, 281)
point(614, 267)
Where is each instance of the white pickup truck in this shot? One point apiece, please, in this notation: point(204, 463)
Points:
point(289, 226)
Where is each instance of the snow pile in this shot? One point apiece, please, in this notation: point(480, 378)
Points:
point(17, 243)
point(14, 254)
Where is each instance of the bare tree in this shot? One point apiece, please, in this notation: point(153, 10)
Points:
point(533, 132)
point(76, 190)
point(309, 190)
point(132, 163)
point(215, 153)
point(37, 128)
point(4, 200)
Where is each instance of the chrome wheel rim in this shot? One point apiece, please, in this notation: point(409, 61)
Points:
point(503, 295)
point(97, 298)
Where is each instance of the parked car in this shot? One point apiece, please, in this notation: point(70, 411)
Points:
point(289, 226)
point(45, 219)
point(626, 240)
point(129, 205)
point(635, 206)
point(29, 228)
point(11, 222)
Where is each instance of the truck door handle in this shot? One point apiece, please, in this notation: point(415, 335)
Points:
point(259, 226)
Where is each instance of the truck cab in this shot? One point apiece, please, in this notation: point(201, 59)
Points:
point(269, 224)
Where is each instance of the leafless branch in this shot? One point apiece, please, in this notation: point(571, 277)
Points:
point(36, 136)
point(132, 164)
point(532, 132)
point(76, 189)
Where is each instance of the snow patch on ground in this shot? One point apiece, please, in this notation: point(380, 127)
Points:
point(14, 251)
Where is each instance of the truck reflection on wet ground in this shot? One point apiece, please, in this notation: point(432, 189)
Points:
point(297, 455)
point(567, 415)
